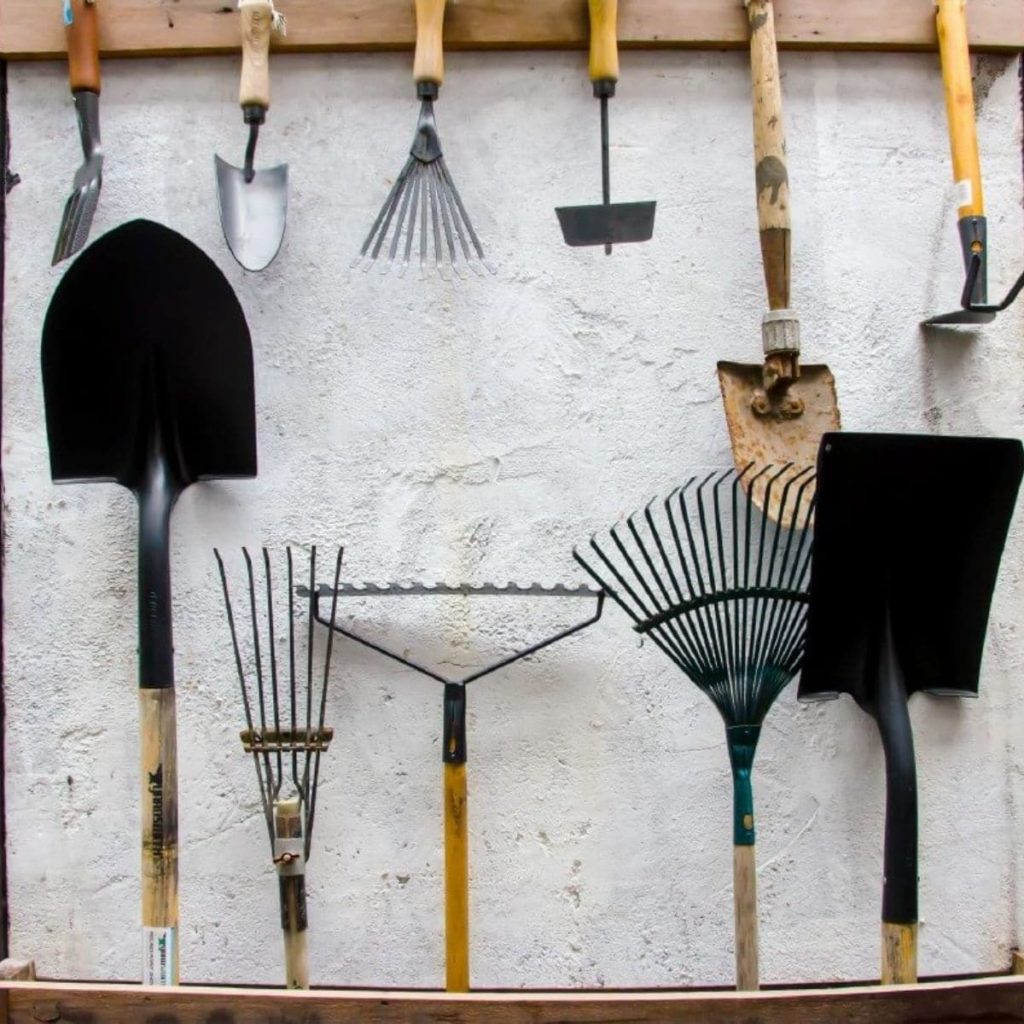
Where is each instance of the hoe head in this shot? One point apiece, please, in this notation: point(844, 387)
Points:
point(607, 223)
point(908, 528)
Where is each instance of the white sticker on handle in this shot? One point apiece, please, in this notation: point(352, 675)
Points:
point(157, 956)
point(964, 193)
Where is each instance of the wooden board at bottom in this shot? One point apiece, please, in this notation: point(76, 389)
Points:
point(979, 1001)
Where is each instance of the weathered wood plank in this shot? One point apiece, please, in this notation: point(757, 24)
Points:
point(981, 1001)
point(33, 29)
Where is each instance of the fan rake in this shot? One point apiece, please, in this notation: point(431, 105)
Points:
point(286, 735)
point(722, 590)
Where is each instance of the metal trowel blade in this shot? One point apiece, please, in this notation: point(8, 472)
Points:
point(611, 224)
point(253, 213)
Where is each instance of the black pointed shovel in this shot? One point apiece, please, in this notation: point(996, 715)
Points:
point(908, 534)
point(148, 383)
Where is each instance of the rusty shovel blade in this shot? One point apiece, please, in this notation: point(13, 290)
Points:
point(774, 439)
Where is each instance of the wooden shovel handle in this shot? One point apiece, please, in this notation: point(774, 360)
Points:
point(744, 894)
point(899, 954)
point(604, 40)
point(257, 21)
point(428, 64)
point(159, 836)
point(83, 44)
point(456, 878)
point(770, 172)
point(951, 23)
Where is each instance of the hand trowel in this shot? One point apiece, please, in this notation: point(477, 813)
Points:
point(608, 223)
point(254, 204)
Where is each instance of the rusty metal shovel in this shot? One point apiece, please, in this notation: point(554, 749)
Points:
point(777, 411)
point(254, 204)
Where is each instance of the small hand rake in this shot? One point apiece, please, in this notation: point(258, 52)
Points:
point(723, 592)
point(291, 729)
point(424, 201)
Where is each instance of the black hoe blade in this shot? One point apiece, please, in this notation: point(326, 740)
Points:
point(607, 224)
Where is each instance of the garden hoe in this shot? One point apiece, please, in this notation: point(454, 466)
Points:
point(148, 383)
point(951, 23)
point(254, 204)
point(778, 410)
point(909, 531)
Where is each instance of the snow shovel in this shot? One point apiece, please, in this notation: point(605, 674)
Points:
point(254, 204)
point(778, 410)
point(148, 383)
point(909, 531)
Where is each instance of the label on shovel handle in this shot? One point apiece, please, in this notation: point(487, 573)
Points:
point(157, 956)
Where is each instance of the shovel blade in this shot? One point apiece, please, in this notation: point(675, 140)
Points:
point(611, 224)
point(253, 213)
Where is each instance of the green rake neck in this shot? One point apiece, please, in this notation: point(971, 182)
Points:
point(742, 742)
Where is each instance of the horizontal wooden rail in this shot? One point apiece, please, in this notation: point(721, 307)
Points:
point(33, 28)
point(980, 1001)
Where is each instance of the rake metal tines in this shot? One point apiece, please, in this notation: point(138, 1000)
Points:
point(423, 214)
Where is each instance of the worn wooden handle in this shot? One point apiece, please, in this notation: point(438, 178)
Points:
point(428, 65)
point(744, 894)
point(159, 837)
point(899, 953)
point(83, 44)
point(456, 878)
point(288, 826)
point(770, 173)
point(257, 21)
point(951, 22)
point(604, 40)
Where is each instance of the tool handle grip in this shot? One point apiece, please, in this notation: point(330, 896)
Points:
point(292, 881)
point(604, 40)
point(899, 954)
point(744, 895)
point(257, 21)
point(83, 44)
point(159, 769)
point(456, 878)
point(428, 64)
point(770, 171)
point(951, 24)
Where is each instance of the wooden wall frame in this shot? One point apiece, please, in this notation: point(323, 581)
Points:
point(32, 29)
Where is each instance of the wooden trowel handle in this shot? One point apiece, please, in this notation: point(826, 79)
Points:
point(951, 23)
point(428, 64)
point(82, 25)
point(771, 174)
point(257, 21)
point(604, 40)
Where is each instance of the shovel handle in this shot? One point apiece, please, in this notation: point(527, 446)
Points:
point(770, 172)
point(744, 896)
point(456, 878)
point(428, 64)
point(291, 868)
point(951, 23)
point(257, 21)
point(159, 836)
point(82, 27)
point(604, 40)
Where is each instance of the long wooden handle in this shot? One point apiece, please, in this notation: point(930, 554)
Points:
point(899, 954)
point(604, 40)
point(291, 868)
point(159, 837)
point(428, 64)
point(770, 172)
point(744, 894)
point(257, 21)
point(456, 878)
point(951, 23)
point(82, 27)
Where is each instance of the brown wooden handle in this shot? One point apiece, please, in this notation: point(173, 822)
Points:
point(899, 954)
point(770, 172)
point(604, 40)
point(456, 878)
point(257, 20)
point(744, 895)
point(428, 64)
point(159, 836)
point(951, 24)
point(83, 44)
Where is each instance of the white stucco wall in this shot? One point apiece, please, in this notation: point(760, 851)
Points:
point(476, 431)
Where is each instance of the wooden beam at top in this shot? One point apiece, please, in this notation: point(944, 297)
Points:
point(32, 29)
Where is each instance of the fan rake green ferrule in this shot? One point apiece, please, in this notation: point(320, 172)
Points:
point(742, 742)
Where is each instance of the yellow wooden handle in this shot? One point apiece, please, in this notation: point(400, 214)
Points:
point(456, 878)
point(257, 21)
point(899, 954)
point(744, 895)
point(428, 65)
point(604, 40)
point(951, 23)
point(159, 768)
